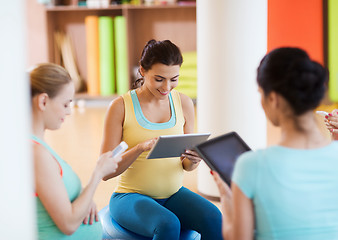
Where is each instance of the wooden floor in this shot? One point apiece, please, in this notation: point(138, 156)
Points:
point(79, 139)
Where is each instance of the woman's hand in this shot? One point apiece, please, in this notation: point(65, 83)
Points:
point(92, 214)
point(190, 160)
point(192, 156)
point(226, 196)
point(128, 158)
point(107, 164)
point(331, 122)
point(147, 145)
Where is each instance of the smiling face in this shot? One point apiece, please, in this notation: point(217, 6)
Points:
point(161, 79)
point(57, 108)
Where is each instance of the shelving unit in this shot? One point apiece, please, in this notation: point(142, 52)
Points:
point(175, 22)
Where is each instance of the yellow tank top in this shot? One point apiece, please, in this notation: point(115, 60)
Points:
point(157, 178)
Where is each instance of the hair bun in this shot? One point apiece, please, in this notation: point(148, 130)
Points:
point(306, 81)
point(290, 72)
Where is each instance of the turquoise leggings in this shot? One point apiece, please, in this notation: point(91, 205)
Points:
point(163, 219)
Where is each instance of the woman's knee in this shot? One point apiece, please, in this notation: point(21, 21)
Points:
point(213, 217)
point(169, 225)
point(211, 225)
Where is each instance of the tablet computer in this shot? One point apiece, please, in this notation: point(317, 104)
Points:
point(174, 145)
point(221, 153)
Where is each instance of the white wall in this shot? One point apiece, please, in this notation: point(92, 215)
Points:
point(231, 40)
point(17, 219)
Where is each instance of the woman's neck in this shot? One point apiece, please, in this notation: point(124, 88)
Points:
point(143, 92)
point(38, 128)
point(302, 132)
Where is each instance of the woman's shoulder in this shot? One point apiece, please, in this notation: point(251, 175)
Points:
point(117, 101)
point(47, 167)
point(115, 114)
point(252, 159)
point(275, 152)
point(185, 100)
point(251, 156)
point(41, 154)
point(116, 105)
point(183, 97)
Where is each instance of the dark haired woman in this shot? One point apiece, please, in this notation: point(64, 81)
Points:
point(287, 191)
point(149, 199)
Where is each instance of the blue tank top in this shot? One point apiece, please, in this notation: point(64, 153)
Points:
point(46, 226)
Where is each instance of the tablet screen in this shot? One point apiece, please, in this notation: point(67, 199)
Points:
point(221, 153)
point(174, 145)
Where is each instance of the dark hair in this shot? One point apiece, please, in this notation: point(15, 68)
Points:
point(164, 52)
point(291, 73)
point(48, 78)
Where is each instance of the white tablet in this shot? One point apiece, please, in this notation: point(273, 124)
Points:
point(174, 145)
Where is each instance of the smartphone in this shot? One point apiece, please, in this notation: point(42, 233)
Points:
point(323, 113)
point(119, 149)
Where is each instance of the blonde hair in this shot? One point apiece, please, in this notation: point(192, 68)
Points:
point(48, 78)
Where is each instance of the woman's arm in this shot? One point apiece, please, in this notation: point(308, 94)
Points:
point(243, 215)
point(112, 136)
point(53, 194)
point(238, 212)
point(190, 159)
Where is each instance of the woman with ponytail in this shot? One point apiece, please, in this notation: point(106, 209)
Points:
point(287, 191)
point(150, 199)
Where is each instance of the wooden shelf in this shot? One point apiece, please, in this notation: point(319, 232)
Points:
point(119, 7)
point(176, 22)
point(168, 6)
point(80, 8)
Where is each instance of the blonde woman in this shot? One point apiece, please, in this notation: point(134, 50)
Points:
point(64, 209)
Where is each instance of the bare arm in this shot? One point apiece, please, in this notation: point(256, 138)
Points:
point(112, 136)
point(51, 190)
point(190, 159)
point(238, 212)
point(243, 217)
